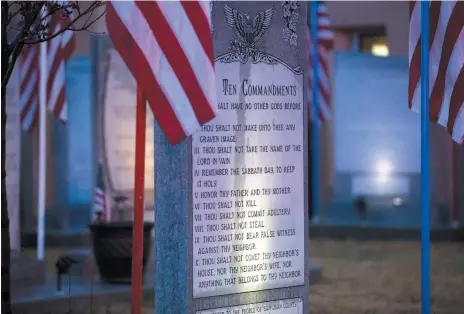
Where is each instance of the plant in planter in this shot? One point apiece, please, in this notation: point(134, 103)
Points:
point(112, 245)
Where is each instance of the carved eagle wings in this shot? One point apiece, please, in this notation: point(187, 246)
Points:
point(246, 30)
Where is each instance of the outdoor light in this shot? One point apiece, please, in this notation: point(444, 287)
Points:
point(397, 201)
point(380, 50)
point(63, 265)
point(383, 170)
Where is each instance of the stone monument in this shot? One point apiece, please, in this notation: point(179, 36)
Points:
point(231, 218)
point(12, 158)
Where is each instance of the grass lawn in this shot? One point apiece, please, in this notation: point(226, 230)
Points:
point(369, 277)
point(384, 277)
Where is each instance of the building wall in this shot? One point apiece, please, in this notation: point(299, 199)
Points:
point(348, 17)
point(393, 15)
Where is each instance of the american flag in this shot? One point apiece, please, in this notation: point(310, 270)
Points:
point(100, 200)
point(325, 45)
point(446, 67)
point(167, 45)
point(29, 76)
point(59, 50)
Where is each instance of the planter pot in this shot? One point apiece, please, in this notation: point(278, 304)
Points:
point(112, 248)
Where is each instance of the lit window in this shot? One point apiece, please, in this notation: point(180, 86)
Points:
point(374, 44)
point(379, 49)
point(383, 170)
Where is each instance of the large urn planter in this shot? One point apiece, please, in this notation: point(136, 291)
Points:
point(112, 248)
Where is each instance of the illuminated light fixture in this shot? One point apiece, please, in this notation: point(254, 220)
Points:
point(383, 170)
point(380, 50)
point(397, 201)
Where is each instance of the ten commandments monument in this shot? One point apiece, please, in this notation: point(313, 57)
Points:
point(231, 202)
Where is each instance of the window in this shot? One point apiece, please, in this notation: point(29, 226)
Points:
point(376, 45)
point(371, 40)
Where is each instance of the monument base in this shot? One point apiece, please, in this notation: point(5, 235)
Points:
point(26, 272)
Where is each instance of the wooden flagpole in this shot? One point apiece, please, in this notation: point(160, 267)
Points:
point(139, 190)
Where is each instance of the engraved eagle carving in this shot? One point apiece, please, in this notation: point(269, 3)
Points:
point(247, 30)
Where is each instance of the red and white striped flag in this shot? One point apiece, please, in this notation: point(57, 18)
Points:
point(101, 204)
point(59, 50)
point(29, 76)
point(167, 45)
point(325, 45)
point(446, 67)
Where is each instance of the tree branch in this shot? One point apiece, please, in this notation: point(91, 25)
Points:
point(90, 24)
point(11, 16)
point(11, 63)
point(69, 26)
point(12, 55)
point(26, 28)
point(35, 29)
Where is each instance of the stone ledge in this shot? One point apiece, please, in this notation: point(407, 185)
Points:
point(79, 297)
point(26, 272)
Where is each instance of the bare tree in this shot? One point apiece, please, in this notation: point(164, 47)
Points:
point(25, 23)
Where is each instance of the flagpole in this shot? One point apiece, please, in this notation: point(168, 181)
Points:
point(454, 169)
point(315, 109)
point(139, 190)
point(425, 160)
point(42, 149)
